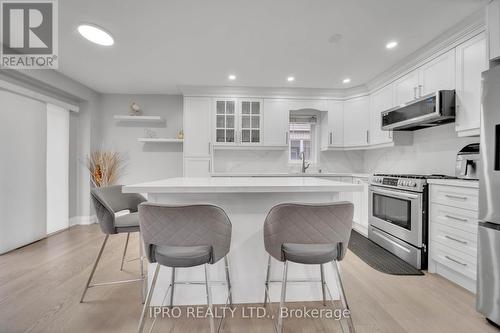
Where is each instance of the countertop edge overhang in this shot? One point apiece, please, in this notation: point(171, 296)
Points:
point(243, 185)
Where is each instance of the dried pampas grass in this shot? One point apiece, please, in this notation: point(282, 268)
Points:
point(105, 167)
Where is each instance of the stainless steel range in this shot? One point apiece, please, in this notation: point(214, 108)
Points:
point(398, 215)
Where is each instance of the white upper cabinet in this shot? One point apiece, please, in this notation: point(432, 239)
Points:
point(335, 123)
point(332, 125)
point(356, 121)
point(250, 120)
point(276, 118)
point(225, 119)
point(437, 74)
point(406, 88)
point(471, 61)
point(380, 101)
point(196, 126)
point(493, 23)
point(237, 121)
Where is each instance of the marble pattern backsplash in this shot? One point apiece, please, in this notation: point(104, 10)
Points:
point(433, 152)
point(276, 161)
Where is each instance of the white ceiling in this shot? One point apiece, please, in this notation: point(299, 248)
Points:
point(163, 44)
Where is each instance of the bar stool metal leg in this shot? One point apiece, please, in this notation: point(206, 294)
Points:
point(322, 269)
point(148, 299)
point(268, 274)
point(209, 299)
point(125, 251)
point(93, 268)
point(144, 285)
point(228, 281)
point(343, 299)
point(172, 284)
point(283, 296)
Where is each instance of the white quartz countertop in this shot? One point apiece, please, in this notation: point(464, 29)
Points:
point(455, 182)
point(292, 174)
point(242, 185)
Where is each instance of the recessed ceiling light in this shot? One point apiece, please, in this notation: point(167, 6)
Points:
point(290, 79)
point(232, 77)
point(391, 45)
point(346, 80)
point(96, 34)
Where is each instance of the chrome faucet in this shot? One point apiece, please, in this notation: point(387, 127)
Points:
point(305, 164)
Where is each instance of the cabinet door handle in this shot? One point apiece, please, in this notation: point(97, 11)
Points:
point(367, 136)
point(451, 196)
point(286, 137)
point(420, 90)
point(209, 147)
point(456, 218)
point(456, 240)
point(455, 261)
point(331, 140)
point(209, 167)
point(414, 92)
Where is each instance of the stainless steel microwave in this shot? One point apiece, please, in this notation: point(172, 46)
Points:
point(427, 111)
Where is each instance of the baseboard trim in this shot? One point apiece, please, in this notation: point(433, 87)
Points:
point(360, 228)
point(82, 220)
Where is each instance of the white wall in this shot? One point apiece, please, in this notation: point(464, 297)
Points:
point(57, 168)
point(146, 162)
point(433, 152)
point(22, 170)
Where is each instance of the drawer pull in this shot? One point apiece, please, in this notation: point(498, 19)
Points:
point(456, 218)
point(455, 261)
point(451, 196)
point(456, 240)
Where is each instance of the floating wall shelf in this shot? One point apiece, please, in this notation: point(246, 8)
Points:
point(160, 140)
point(138, 118)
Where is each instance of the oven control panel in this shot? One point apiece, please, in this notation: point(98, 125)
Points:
point(402, 183)
point(390, 181)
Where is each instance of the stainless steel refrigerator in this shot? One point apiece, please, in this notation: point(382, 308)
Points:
point(488, 267)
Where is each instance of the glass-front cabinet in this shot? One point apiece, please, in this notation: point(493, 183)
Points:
point(225, 121)
point(238, 121)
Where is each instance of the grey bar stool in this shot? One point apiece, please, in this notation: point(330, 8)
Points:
point(107, 201)
point(185, 236)
point(311, 234)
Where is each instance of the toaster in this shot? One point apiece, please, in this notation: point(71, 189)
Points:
point(467, 165)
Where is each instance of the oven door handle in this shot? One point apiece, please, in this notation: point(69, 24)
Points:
point(396, 194)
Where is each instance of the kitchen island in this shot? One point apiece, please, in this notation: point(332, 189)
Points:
point(246, 200)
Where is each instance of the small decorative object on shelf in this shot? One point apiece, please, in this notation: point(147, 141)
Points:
point(105, 167)
point(135, 109)
point(180, 135)
point(149, 133)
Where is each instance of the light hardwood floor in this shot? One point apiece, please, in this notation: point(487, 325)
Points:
point(40, 287)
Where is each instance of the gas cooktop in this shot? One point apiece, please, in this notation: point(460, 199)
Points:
point(413, 176)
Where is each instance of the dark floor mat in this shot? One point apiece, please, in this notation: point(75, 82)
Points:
point(378, 257)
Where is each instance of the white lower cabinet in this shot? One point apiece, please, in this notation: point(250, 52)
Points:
point(360, 200)
point(453, 224)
